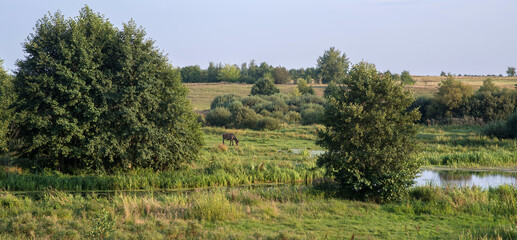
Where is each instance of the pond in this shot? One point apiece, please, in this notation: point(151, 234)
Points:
point(483, 179)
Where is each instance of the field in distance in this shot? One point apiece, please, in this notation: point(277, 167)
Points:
point(202, 94)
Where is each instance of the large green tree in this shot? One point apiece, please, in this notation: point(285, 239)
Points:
point(281, 75)
point(332, 66)
point(369, 136)
point(6, 98)
point(94, 97)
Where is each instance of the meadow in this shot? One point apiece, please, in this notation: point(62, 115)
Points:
point(268, 187)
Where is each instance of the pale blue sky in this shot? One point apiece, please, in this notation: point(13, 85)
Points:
point(422, 36)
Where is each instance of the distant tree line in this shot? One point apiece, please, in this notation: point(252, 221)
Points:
point(247, 73)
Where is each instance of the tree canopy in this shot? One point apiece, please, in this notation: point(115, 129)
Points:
point(94, 97)
point(369, 135)
point(6, 98)
point(332, 66)
point(264, 86)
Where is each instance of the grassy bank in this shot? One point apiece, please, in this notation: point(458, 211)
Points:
point(262, 213)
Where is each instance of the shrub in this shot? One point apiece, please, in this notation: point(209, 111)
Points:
point(219, 116)
point(277, 105)
point(293, 117)
point(304, 88)
point(269, 123)
point(245, 117)
point(502, 129)
point(252, 101)
point(311, 116)
point(264, 86)
point(224, 101)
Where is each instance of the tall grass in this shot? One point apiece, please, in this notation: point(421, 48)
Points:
point(265, 213)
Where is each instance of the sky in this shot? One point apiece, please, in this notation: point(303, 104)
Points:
point(425, 37)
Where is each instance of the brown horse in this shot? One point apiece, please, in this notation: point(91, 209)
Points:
point(231, 137)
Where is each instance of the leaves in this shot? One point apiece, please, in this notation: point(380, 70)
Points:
point(94, 97)
point(369, 135)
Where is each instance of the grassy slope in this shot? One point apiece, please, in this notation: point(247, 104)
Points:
point(202, 94)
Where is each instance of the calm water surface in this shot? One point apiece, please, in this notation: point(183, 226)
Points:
point(466, 178)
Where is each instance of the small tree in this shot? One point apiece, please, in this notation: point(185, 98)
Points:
point(406, 78)
point(304, 88)
point(94, 97)
point(264, 86)
point(370, 135)
point(443, 74)
point(510, 71)
point(281, 75)
point(332, 66)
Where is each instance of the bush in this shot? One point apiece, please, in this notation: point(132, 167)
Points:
point(252, 101)
point(264, 86)
point(311, 116)
point(293, 117)
point(269, 123)
point(245, 117)
point(502, 129)
point(219, 116)
point(224, 101)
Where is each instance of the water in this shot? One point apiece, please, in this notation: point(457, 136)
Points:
point(313, 153)
point(457, 178)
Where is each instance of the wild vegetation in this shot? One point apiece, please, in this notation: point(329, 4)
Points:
point(125, 107)
point(99, 141)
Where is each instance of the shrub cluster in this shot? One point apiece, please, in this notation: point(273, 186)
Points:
point(265, 112)
point(502, 129)
point(457, 100)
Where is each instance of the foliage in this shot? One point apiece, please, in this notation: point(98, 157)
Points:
point(510, 71)
point(502, 129)
point(452, 98)
point(491, 103)
point(369, 136)
point(224, 101)
point(332, 66)
point(6, 115)
point(269, 123)
point(304, 88)
point(281, 75)
point(219, 116)
point(293, 117)
point(406, 78)
point(264, 86)
point(190, 74)
point(229, 73)
point(93, 97)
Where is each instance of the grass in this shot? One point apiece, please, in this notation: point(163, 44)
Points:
point(295, 212)
point(465, 147)
point(267, 157)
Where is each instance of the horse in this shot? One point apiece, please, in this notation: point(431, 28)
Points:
point(231, 137)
